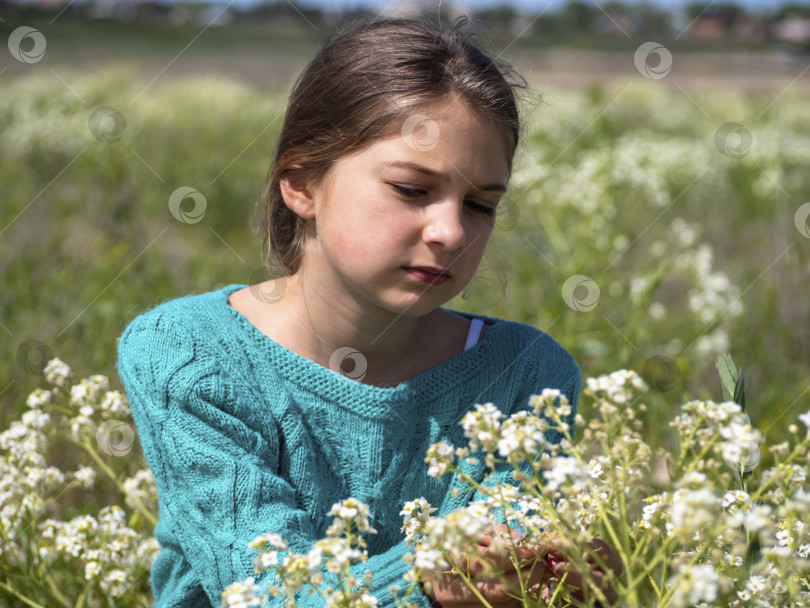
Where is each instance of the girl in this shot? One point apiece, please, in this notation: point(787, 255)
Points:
point(259, 407)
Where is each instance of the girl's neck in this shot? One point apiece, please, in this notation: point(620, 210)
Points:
point(379, 347)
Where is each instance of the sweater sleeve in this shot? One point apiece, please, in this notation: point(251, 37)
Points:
point(215, 463)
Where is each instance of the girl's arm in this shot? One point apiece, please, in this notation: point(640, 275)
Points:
point(547, 365)
point(215, 464)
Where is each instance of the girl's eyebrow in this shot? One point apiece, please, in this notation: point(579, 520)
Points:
point(401, 164)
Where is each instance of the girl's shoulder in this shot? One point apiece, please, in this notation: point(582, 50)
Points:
point(524, 337)
point(538, 356)
point(193, 310)
point(170, 331)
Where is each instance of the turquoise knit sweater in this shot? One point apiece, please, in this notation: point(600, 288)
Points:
point(246, 437)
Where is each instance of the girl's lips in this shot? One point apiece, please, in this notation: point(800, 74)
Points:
point(427, 277)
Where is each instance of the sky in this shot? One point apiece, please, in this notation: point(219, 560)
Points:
point(535, 6)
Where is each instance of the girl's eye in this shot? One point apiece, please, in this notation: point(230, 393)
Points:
point(489, 211)
point(409, 192)
point(414, 193)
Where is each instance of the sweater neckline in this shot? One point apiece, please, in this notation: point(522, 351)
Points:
point(331, 385)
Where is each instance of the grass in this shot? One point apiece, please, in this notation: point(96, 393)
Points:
point(87, 240)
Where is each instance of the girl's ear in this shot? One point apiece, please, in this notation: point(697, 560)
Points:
point(296, 192)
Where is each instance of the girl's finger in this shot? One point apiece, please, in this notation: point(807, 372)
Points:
point(572, 577)
point(501, 555)
point(575, 580)
point(453, 591)
point(606, 554)
point(496, 585)
point(508, 584)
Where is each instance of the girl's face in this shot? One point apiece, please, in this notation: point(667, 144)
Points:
point(425, 197)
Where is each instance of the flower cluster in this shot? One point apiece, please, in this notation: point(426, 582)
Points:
point(440, 539)
point(342, 547)
point(106, 548)
point(113, 553)
point(700, 539)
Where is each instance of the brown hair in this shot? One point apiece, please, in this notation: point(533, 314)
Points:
point(369, 75)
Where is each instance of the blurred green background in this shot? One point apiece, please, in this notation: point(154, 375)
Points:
point(679, 198)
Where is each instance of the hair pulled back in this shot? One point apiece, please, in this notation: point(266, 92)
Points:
point(369, 75)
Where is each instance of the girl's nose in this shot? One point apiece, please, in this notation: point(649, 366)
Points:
point(445, 226)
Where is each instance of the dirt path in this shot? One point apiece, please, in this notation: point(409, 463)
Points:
point(555, 67)
point(745, 71)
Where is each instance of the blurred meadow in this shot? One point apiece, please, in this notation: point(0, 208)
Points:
point(652, 223)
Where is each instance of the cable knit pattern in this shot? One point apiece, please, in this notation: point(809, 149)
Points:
point(246, 437)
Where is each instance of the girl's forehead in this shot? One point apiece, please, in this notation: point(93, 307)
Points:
point(437, 134)
point(439, 154)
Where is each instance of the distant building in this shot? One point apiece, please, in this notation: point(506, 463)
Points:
point(616, 25)
point(129, 10)
point(711, 26)
point(795, 30)
point(747, 29)
point(414, 8)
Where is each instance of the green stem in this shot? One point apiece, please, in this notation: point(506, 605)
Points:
point(700, 456)
point(59, 408)
point(410, 589)
point(650, 567)
point(692, 562)
point(20, 596)
point(466, 579)
point(654, 585)
point(688, 441)
point(55, 590)
point(471, 585)
point(111, 474)
point(617, 542)
point(663, 580)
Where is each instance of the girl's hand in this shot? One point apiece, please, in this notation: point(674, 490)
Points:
point(606, 556)
point(451, 591)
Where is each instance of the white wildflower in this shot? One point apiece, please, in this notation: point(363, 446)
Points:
point(91, 569)
point(86, 475)
point(115, 404)
point(439, 456)
point(757, 518)
point(694, 584)
point(38, 398)
point(482, 426)
point(115, 583)
point(565, 470)
point(242, 594)
point(57, 372)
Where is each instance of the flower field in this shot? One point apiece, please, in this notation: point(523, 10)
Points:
point(647, 227)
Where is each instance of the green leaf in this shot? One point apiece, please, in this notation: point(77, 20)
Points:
point(753, 553)
point(728, 376)
point(739, 391)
